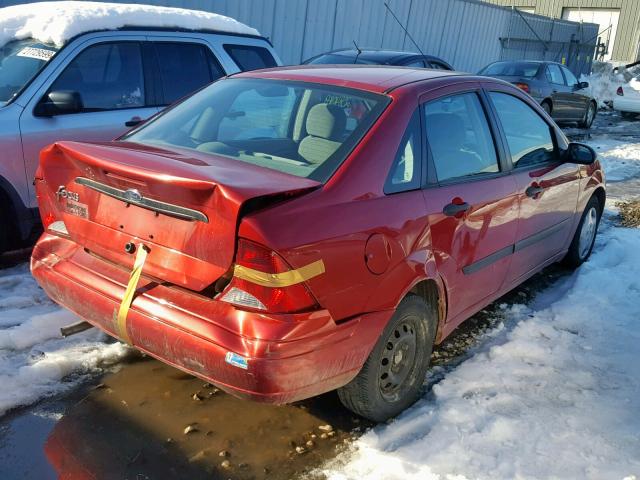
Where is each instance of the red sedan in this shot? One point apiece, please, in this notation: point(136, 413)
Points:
point(287, 232)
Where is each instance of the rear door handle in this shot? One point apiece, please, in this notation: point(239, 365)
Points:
point(453, 209)
point(133, 122)
point(533, 191)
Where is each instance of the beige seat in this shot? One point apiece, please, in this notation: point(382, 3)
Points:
point(325, 128)
point(446, 135)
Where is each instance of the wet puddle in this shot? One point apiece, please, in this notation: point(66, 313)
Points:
point(151, 421)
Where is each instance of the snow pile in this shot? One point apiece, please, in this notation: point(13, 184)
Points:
point(35, 361)
point(57, 22)
point(621, 160)
point(554, 393)
point(603, 82)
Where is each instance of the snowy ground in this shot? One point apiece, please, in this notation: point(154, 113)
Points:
point(34, 361)
point(552, 392)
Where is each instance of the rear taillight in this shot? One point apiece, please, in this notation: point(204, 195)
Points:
point(48, 219)
point(45, 204)
point(620, 92)
point(262, 280)
point(522, 86)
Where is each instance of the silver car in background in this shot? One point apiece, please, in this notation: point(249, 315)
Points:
point(95, 88)
point(552, 85)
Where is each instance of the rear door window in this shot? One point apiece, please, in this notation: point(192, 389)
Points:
point(438, 65)
point(570, 77)
point(459, 137)
point(528, 135)
point(184, 68)
point(554, 74)
point(248, 57)
point(418, 63)
point(108, 76)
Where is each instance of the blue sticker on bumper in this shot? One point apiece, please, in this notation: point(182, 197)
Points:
point(236, 360)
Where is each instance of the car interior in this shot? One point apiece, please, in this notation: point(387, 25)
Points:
point(459, 137)
point(289, 128)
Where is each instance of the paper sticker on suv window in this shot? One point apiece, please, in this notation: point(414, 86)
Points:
point(76, 208)
point(37, 53)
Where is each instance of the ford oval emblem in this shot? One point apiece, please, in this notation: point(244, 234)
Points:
point(133, 195)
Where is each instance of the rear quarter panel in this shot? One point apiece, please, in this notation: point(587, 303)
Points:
point(335, 223)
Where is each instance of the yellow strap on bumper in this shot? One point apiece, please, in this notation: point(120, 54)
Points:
point(121, 321)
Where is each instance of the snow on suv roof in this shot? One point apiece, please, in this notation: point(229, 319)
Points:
point(57, 22)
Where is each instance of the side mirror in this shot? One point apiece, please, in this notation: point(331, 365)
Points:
point(581, 85)
point(59, 103)
point(580, 154)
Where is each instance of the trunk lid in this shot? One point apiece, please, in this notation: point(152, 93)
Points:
point(183, 205)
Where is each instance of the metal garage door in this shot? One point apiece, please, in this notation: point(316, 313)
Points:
point(607, 18)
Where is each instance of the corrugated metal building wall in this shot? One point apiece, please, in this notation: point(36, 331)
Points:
point(466, 33)
point(627, 41)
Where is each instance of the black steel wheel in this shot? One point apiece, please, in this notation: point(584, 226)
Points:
point(398, 359)
point(4, 230)
point(391, 378)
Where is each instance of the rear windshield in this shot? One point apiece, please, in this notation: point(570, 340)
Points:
point(333, 59)
point(300, 128)
point(248, 57)
point(512, 69)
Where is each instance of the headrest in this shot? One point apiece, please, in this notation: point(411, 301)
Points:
point(326, 121)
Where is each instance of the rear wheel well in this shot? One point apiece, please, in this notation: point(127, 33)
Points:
point(548, 102)
point(428, 290)
point(8, 222)
point(601, 195)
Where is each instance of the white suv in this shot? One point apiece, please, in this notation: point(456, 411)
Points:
point(95, 87)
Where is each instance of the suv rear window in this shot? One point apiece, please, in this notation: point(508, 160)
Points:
point(250, 58)
point(301, 128)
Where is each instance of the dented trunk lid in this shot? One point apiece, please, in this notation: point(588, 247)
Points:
point(183, 205)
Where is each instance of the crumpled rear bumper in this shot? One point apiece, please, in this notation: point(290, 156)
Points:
point(288, 357)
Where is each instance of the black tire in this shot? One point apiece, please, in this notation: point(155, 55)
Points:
point(4, 231)
point(546, 106)
point(374, 393)
point(629, 115)
point(580, 249)
point(589, 116)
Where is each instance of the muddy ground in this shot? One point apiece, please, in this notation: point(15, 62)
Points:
point(146, 420)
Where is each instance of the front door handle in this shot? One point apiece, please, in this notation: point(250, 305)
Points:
point(453, 209)
point(533, 191)
point(133, 122)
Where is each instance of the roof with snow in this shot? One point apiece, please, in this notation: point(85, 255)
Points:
point(57, 22)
